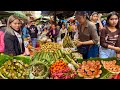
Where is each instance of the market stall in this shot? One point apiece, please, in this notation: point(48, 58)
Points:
point(57, 61)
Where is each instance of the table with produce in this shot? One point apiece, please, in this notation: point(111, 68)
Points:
point(57, 61)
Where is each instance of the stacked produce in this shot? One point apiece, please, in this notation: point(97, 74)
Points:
point(89, 69)
point(50, 47)
point(67, 42)
point(60, 70)
point(47, 57)
point(51, 52)
point(111, 66)
point(14, 69)
point(58, 65)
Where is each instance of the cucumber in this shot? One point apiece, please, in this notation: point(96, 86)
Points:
point(33, 58)
point(64, 60)
point(42, 53)
point(72, 61)
point(60, 54)
point(55, 56)
point(43, 60)
point(48, 57)
point(43, 57)
point(36, 57)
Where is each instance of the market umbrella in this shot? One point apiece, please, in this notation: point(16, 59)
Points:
point(20, 14)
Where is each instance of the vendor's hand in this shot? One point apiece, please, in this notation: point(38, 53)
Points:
point(79, 43)
point(117, 49)
point(100, 15)
point(75, 42)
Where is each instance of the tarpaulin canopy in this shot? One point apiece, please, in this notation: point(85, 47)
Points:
point(20, 14)
point(59, 14)
point(6, 13)
point(47, 13)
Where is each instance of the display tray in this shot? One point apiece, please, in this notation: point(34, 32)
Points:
point(26, 59)
point(105, 73)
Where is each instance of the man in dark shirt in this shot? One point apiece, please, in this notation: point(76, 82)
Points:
point(60, 24)
point(33, 31)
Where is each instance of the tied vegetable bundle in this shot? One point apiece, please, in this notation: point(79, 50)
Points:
point(67, 42)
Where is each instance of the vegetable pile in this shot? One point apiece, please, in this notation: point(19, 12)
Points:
point(66, 73)
point(50, 52)
point(60, 70)
point(58, 65)
point(14, 69)
point(50, 47)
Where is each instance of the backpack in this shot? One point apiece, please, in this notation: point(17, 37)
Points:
point(2, 33)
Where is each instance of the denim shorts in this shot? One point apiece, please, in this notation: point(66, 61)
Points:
point(34, 41)
point(106, 53)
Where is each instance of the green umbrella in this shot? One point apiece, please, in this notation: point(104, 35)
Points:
point(20, 14)
point(41, 16)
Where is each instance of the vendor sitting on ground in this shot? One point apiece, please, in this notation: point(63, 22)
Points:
point(44, 33)
point(53, 33)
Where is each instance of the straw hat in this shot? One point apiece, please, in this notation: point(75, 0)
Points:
point(1, 24)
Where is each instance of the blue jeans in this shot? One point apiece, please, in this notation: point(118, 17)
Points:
point(106, 53)
point(93, 51)
point(34, 41)
point(73, 34)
